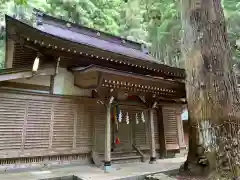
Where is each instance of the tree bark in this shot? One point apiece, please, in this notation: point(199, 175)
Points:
point(210, 81)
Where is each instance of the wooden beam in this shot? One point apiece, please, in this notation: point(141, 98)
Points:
point(16, 94)
point(24, 86)
point(52, 77)
point(26, 74)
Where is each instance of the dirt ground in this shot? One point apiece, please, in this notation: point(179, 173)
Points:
point(176, 175)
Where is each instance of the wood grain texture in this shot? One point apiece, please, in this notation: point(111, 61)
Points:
point(43, 125)
point(170, 128)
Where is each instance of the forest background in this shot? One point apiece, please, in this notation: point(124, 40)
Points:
point(155, 23)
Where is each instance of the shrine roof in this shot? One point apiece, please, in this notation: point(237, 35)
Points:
point(90, 37)
point(75, 38)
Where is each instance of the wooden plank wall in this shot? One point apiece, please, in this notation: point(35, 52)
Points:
point(140, 130)
point(170, 127)
point(44, 125)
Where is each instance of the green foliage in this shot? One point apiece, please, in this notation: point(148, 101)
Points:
point(97, 14)
point(18, 2)
point(155, 23)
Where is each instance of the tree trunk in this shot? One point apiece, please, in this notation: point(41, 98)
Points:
point(210, 81)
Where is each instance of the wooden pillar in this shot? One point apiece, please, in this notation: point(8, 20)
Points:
point(152, 138)
point(52, 78)
point(181, 140)
point(163, 150)
point(107, 149)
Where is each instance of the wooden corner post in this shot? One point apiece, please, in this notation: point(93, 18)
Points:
point(107, 149)
point(151, 131)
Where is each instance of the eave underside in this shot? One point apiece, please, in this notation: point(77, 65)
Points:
point(110, 81)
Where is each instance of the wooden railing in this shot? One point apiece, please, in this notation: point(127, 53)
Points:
point(143, 156)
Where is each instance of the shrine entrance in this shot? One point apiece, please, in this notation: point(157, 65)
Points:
point(121, 129)
point(122, 137)
point(124, 120)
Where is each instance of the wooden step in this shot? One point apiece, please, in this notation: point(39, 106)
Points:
point(125, 157)
point(120, 157)
point(120, 152)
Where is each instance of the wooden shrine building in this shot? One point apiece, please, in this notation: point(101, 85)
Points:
point(70, 94)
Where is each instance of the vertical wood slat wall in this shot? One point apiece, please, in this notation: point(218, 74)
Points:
point(84, 128)
point(170, 128)
point(63, 125)
point(45, 125)
point(12, 120)
point(37, 125)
